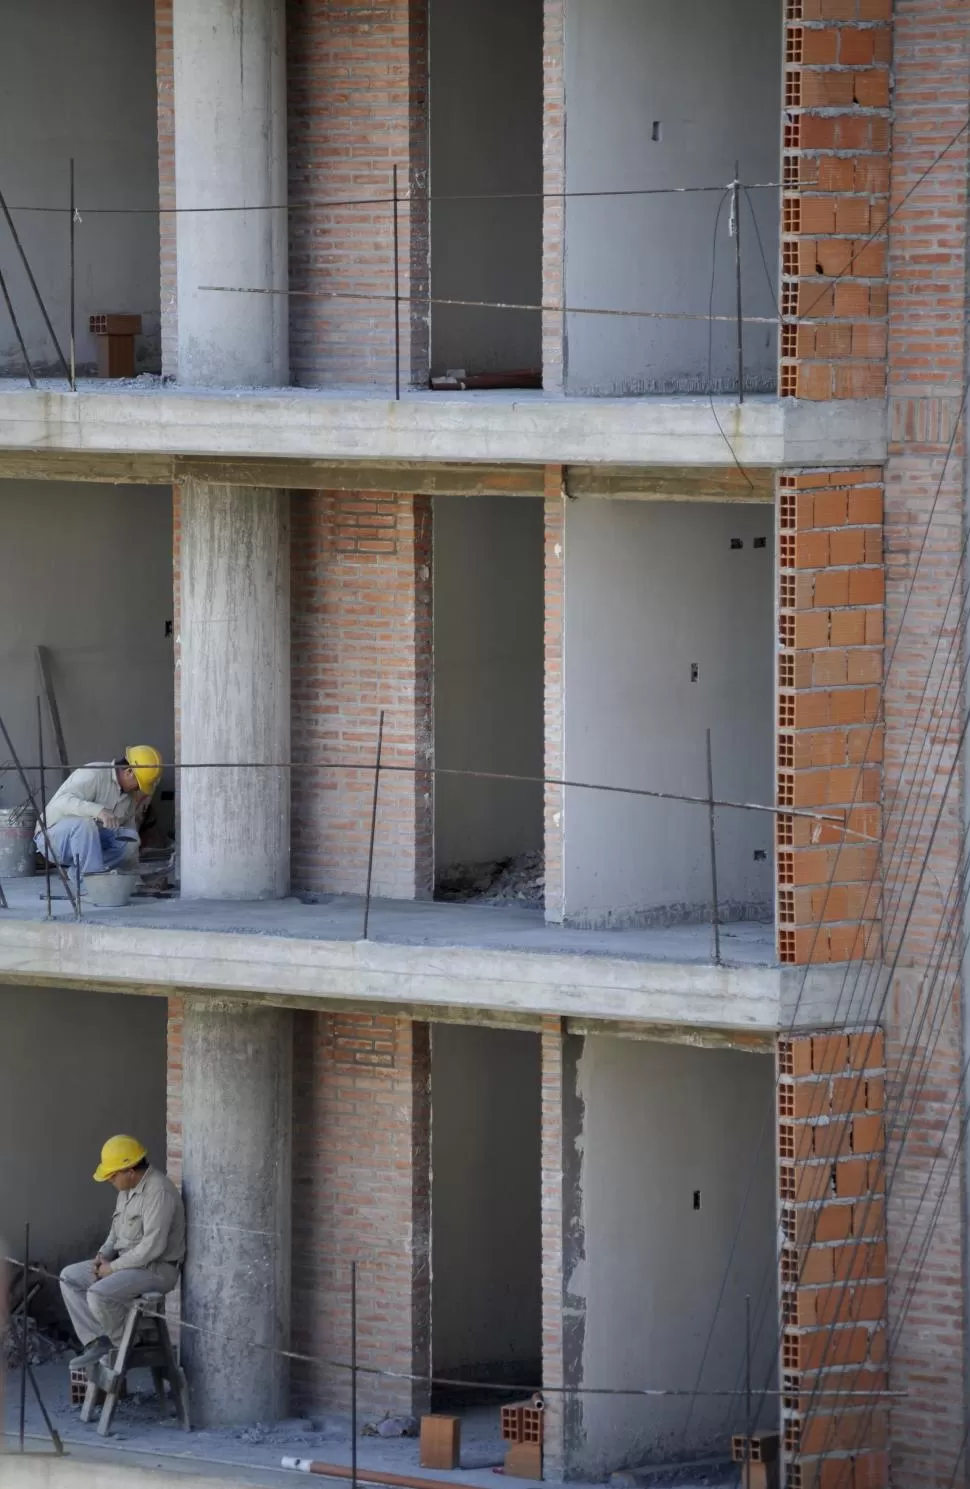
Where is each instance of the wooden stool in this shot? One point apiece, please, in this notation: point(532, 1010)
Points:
point(145, 1344)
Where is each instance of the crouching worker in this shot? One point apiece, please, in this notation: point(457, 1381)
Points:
point(143, 1253)
point(95, 817)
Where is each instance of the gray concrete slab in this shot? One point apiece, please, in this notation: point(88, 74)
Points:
point(150, 417)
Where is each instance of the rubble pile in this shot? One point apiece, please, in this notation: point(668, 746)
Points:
point(508, 881)
point(41, 1346)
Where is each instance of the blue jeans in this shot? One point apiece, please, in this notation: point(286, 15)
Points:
point(98, 848)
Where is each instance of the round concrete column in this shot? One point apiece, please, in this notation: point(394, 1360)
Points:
point(230, 151)
point(237, 1089)
point(234, 690)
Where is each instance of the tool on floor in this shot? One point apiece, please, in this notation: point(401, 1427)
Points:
point(145, 1344)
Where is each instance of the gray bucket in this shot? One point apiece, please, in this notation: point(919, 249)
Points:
point(17, 843)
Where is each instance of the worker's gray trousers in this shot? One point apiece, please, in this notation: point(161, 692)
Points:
point(97, 848)
point(100, 1307)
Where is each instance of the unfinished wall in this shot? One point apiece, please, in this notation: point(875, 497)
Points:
point(98, 1062)
point(654, 591)
point(488, 676)
point(79, 81)
point(485, 1191)
point(486, 138)
point(662, 1128)
point(658, 95)
point(86, 571)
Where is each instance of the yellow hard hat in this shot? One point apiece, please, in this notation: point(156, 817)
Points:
point(146, 762)
point(118, 1154)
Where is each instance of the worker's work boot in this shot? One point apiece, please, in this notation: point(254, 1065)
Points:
point(92, 1353)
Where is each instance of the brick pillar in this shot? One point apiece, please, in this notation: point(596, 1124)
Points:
point(165, 87)
point(836, 182)
point(831, 1100)
point(361, 1187)
point(362, 641)
point(173, 1091)
point(830, 664)
point(555, 742)
point(553, 182)
point(553, 1283)
point(358, 100)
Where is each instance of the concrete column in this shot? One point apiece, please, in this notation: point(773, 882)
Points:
point(230, 151)
point(237, 1090)
point(234, 690)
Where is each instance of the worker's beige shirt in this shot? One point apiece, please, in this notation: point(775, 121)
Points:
point(148, 1225)
point(90, 790)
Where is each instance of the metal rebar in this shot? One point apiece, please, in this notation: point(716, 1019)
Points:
point(30, 276)
point(43, 803)
point(737, 275)
point(353, 1374)
point(749, 1425)
point(397, 294)
point(73, 295)
point(54, 1434)
point(373, 823)
point(23, 1337)
point(3, 900)
point(715, 917)
point(33, 802)
point(77, 886)
point(16, 330)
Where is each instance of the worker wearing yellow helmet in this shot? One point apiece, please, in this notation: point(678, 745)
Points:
point(143, 1252)
point(94, 819)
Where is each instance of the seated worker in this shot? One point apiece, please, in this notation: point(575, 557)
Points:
point(143, 1253)
point(96, 814)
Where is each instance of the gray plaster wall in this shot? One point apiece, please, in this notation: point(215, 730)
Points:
point(486, 137)
point(79, 80)
point(86, 571)
point(654, 590)
point(664, 93)
point(485, 1195)
point(74, 1069)
point(488, 641)
point(661, 1124)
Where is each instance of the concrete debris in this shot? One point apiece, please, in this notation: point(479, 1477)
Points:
point(41, 1346)
point(391, 1426)
point(520, 880)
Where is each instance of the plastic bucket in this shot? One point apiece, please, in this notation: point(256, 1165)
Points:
point(17, 843)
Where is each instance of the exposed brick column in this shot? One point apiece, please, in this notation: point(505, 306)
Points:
point(165, 86)
point(836, 180)
point(358, 90)
point(830, 666)
point(831, 1099)
point(553, 181)
point(555, 743)
point(553, 1373)
point(926, 479)
point(362, 642)
point(173, 1091)
point(361, 1186)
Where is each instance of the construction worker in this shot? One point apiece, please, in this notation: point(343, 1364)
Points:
point(95, 816)
point(143, 1252)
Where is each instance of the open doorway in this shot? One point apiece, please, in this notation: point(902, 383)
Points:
point(488, 705)
point(486, 185)
point(486, 1296)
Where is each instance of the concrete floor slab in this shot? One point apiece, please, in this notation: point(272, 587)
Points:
point(147, 416)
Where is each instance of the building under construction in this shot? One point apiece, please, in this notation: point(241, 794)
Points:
point(509, 457)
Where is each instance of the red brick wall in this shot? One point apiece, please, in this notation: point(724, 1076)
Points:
point(361, 1192)
point(833, 1266)
point(555, 573)
point(165, 83)
point(553, 182)
point(552, 1242)
point(924, 515)
point(830, 667)
point(362, 641)
point(357, 88)
point(173, 1091)
point(835, 147)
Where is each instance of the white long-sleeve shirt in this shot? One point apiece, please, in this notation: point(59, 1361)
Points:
point(90, 790)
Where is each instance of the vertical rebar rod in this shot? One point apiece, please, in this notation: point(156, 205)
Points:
point(397, 295)
point(353, 1375)
point(43, 802)
point(715, 917)
point(17, 332)
point(73, 214)
point(23, 1337)
point(30, 276)
point(737, 275)
point(373, 822)
point(749, 1425)
point(77, 886)
point(32, 798)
